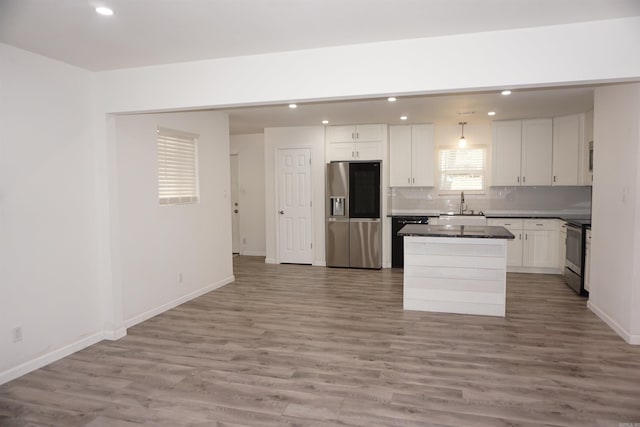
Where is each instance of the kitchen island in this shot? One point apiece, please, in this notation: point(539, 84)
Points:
point(455, 268)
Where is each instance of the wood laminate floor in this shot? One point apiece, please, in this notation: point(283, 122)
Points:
point(299, 345)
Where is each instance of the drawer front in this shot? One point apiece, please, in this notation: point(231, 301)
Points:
point(508, 223)
point(541, 224)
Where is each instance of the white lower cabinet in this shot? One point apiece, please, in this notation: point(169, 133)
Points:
point(535, 247)
point(540, 243)
point(514, 247)
point(562, 244)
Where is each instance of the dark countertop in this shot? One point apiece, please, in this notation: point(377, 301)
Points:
point(579, 222)
point(574, 218)
point(468, 231)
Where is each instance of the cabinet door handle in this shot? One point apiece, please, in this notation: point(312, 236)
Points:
point(353, 135)
point(506, 223)
point(408, 180)
point(555, 178)
point(526, 236)
point(413, 180)
point(353, 154)
point(523, 179)
point(518, 180)
point(520, 236)
point(357, 154)
point(357, 135)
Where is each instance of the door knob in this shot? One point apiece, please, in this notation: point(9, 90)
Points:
point(235, 211)
point(281, 212)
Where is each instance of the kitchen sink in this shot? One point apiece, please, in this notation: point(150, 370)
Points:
point(470, 218)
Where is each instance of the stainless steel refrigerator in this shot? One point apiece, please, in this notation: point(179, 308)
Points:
point(354, 227)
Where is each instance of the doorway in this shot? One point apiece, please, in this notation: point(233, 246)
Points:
point(294, 206)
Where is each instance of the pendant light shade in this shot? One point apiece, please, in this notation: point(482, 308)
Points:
point(462, 142)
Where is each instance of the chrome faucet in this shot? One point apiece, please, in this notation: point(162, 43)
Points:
point(462, 209)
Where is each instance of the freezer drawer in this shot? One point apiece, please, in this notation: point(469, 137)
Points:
point(337, 243)
point(365, 243)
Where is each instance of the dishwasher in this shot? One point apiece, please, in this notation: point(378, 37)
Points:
point(397, 243)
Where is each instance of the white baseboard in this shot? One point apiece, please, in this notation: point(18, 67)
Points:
point(537, 270)
point(176, 302)
point(618, 329)
point(319, 263)
point(113, 334)
point(52, 356)
point(269, 261)
point(253, 253)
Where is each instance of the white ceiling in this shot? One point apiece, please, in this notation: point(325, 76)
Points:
point(149, 32)
point(441, 109)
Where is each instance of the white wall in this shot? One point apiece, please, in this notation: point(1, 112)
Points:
point(541, 56)
point(157, 243)
point(62, 283)
point(250, 151)
point(615, 248)
point(48, 234)
point(295, 137)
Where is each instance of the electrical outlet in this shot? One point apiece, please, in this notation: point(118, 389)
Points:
point(16, 334)
point(180, 277)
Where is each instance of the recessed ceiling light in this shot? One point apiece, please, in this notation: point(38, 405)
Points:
point(292, 106)
point(403, 117)
point(104, 11)
point(506, 92)
point(391, 99)
point(491, 113)
point(325, 122)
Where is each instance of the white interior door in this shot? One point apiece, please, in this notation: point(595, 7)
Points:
point(294, 206)
point(235, 208)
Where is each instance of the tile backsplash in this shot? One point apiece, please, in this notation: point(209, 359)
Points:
point(496, 199)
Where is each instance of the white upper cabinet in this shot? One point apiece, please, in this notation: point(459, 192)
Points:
point(568, 135)
point(400, 156)
point(411, 161)
point(522, 152)
point(537, 151)
point(507, 152)
point(354, 142)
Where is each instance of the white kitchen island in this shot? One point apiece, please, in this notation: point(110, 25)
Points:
point(455, 268)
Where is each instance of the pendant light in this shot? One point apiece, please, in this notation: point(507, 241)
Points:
point(462, 142)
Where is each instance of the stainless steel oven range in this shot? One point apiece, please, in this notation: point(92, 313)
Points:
point(574, 261)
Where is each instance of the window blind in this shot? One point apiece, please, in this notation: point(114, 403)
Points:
point(177, 167)
point(462, 169)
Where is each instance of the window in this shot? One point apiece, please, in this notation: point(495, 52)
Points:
point(462, 169)
point(177, 167)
